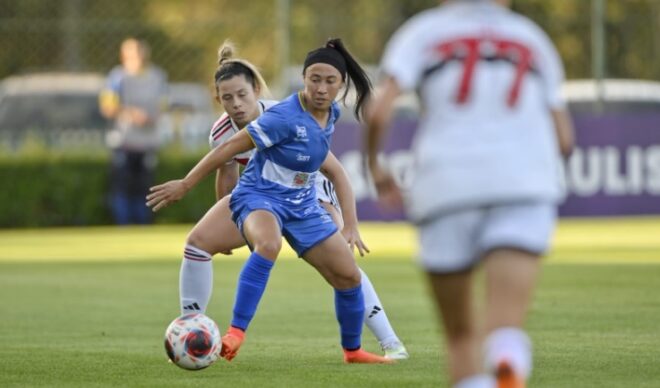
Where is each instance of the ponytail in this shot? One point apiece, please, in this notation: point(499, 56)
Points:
point(356, 74)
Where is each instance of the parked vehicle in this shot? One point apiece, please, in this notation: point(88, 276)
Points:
point(191, 114)
point(60, 110)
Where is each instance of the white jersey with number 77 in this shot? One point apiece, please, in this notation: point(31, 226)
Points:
point(487, 79)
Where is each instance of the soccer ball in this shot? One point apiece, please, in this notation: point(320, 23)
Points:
point(192, 341)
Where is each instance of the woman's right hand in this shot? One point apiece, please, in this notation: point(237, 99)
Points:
point(389, 194)
point(166, 194)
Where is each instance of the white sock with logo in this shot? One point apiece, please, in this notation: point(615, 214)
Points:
point(195, 280)
point(511, 345)
point(374, 314)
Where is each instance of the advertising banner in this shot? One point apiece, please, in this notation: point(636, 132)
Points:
point(615, 169)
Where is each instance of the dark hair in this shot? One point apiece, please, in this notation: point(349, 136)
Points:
point(356, 75)
point(229, 67)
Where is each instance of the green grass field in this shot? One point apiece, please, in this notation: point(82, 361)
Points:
point(88, 308)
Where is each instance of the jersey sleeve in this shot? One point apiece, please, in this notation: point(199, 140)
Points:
point(552, 71)
point(113, 81)
point(269, 129)
point(109, 97)
point(403, 58)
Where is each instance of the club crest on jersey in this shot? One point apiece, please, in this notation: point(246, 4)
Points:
point(301, 133)
point(301, 179)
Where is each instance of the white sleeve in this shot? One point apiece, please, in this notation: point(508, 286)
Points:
point(404, 55)
point(552, 71)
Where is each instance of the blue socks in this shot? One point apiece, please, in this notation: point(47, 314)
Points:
point(251, 285)
point(349, 304)
point(349, 308)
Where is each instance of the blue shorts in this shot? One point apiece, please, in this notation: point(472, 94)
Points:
point(302, 226)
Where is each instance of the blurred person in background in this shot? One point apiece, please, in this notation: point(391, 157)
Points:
point(275, 196)
point(487, 163)
point(134, 97)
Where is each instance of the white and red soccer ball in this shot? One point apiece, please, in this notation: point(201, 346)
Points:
point(192, 341)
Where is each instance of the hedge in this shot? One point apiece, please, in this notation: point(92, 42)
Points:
point(49, 189)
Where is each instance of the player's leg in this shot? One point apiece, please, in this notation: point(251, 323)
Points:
point(454, 301)
point(334, 261)
point(214, 233)
point(510, 279)
point(449, 256)
point(514, 239)
point(374, 315)
point(262, 231)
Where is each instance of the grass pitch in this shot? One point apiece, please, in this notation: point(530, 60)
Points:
point(88, 308)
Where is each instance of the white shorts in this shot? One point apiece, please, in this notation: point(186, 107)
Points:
point(325, 191)
point(457, 241)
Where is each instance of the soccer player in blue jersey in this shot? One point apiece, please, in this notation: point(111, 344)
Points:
point(276, 197)
point(239, 86)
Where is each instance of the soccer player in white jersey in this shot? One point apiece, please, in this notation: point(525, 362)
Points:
point(486, 181)
point(238, 86)
point(273, 199)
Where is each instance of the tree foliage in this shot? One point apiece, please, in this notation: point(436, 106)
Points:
point(85, 34)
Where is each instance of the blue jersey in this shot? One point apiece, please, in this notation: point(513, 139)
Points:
point(291, 146)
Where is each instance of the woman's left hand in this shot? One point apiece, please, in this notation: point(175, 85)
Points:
point(166, 194)
point(352, 236)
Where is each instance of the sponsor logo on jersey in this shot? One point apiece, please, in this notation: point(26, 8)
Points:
point(302, 158)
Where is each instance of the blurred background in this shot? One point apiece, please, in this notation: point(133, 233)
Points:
point(55, 56)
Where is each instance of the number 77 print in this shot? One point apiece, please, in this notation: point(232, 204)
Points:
point(470, 50)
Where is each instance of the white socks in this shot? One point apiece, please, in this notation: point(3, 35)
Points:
point(195, 280)
point(509, 344)
point(196, 285)
point(476, 381)
point(374, 314)
point(512, 345)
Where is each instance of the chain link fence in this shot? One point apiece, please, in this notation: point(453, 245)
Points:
point(83, 36)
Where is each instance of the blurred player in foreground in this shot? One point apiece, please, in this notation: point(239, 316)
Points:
point(486, 182)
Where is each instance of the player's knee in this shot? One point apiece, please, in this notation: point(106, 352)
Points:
point(345, 279)
point(200, 241)
point(268, 248)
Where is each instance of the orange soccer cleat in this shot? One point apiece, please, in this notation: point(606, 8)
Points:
point(507, 378)
point(359, 356)
point(231, 342)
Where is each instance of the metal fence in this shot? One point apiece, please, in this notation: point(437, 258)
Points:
point(40, 35)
